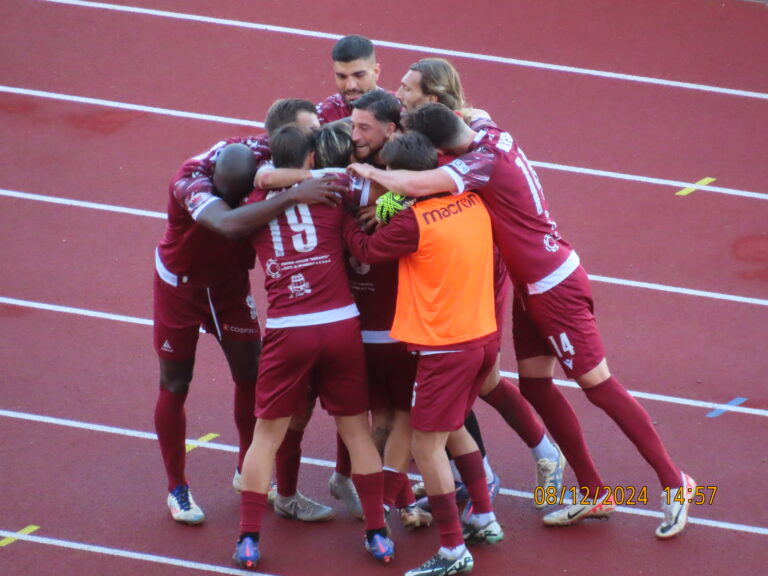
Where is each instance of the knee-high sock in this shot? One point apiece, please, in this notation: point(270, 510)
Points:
point(370, 489)
point(473, 475)
point(507, 400)
point(561, 421)
point(343, 461)
point(634, 421)
point(171, 428)
point(446, 515)
point(252, 508)
point(287, 463)
point(245, 419)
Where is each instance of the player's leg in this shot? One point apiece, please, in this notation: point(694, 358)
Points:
point(536, 366)
point(175, 348)
point(340, 380)
point(607, 393)
point(506, 399)
point(397, 487)
point(368, 477)
point(256, 475)
point(243, 359)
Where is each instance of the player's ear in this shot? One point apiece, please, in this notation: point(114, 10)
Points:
point(311, 160)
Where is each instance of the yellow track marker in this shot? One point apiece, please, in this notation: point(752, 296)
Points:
point(28, 530)
point(206, 438)
point(692, 189)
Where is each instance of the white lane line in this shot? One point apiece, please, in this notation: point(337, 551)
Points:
point(128, 106)
point(664, 398)
point(417, 48)
point(677, 184)
point(638, 511)
point(129, 554)
point(81, 204)
point(75, 311)
point(648, 180)
point(678, 290)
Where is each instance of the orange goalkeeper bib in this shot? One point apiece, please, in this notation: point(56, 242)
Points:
point(445, 289)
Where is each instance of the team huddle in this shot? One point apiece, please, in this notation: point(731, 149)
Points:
point(390, 229)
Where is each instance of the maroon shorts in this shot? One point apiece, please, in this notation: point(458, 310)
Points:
point(559, 321)
point(391, 372)
point(226, 310)
point(447, 385)
point(326, 360)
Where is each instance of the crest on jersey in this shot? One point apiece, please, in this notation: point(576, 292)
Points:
point(273, 268)
point(550, 243)
point(299, 286)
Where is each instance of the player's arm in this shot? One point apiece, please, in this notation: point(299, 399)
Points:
point(399, 238)
point(269, 178)
point(406, 182)
point(244, 220)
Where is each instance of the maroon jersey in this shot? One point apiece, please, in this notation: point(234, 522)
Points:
point(333, 108)
point(189, 253)
point(495, 166)
point(302, 254)
point(374, 286)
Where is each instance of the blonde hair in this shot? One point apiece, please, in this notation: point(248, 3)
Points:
point(440, 79)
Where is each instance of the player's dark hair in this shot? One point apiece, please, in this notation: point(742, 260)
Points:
point(285, 111)
point(290, 146)
point(437, 122)
point(383, 105)
point(409, 151)
point(352, 47)
point(333, 145)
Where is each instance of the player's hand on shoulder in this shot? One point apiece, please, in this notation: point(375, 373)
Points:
point(325, 190)
point(362, 170)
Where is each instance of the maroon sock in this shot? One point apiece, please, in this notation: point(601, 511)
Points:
point(406, 496)
point(343, 462)
point(634, 421)
point(445, 513)
point(252, 508)
point(245, 419)
point(472, 472)
point(287, 463)
point(370, 489)
point(393, 481)
point(171, 428)
point(516, 411)
point(562, 423)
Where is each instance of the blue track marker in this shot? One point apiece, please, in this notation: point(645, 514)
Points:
point(735, 402)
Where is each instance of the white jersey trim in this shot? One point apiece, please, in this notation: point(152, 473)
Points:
point(314, 318)
point(165, 275)
point(378, 337)
point(203, 206)
point(561, 273)
point(456, 178)
point(433, 352)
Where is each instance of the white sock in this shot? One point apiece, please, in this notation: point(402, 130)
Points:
point(480, 520)
point(488, 470)
point(545, 449)
point(452, 553)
